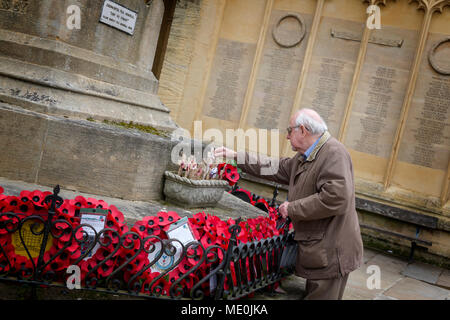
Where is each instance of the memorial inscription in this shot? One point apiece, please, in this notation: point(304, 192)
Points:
point(229, 80)
point(433, 126)
point(277, 79)
point(426, 141)
point(380, 93)
point(330, 76)
point(331, 71)
point(375, 115)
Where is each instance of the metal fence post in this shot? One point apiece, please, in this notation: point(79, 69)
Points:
point(53, 199)
point(231, 244)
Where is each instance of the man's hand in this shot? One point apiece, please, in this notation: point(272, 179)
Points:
point(223, 152)
point(283, 209)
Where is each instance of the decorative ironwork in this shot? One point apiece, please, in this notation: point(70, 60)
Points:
point(234, 273)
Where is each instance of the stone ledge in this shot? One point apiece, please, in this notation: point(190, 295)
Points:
point(82, 155)
point(80, 97)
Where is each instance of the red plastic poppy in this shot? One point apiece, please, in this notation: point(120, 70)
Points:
point(140, 228)
point(262, 204)
point(231, 174)
point(138, 263)
point(222, 228)
point(38, 197)
point(211, 222)
point(92, 203)
point(67, 208)
point(101, 204)
point(166, 218)
point(199, 218)
point(190, 281)
point(197, 231)
point(151, 221)
point(79, 201)
point(105, 270)
point(25, 195)
point(220, 169)
point(174, 275)
point(62, 230)
point(74, 250)
point(11, 201)
point(26, 208)
point(102, 253)
point(208, 240)
point(60, 262)
point(23, 265)
point(148, 277)
point(184, 266)
point(158, 287)
point(244, 195)
point(116, 214)
point(144, 229)
point(194, 255)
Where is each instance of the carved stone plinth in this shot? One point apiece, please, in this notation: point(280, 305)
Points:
point(96, 71)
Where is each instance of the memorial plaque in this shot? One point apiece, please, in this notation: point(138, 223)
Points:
point(279, 70)
point(426, 139)
point(228, 81)
point(381, 90)
point(331, 71)
point(119, 17)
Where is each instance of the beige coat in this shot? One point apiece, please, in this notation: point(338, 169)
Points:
point(322, 208)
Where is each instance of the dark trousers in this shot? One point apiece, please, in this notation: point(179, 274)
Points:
point(327, 289)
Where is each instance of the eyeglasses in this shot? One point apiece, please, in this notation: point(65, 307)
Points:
point(289, 129)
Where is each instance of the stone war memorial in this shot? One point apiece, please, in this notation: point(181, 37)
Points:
point(110, 110)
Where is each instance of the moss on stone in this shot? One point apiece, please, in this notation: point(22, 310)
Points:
point(140, 127)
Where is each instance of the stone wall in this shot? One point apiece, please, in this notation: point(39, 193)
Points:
point(96, 71)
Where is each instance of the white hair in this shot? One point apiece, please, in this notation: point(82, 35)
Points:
point(312, 125)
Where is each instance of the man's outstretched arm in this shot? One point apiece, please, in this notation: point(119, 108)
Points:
point(277, 170)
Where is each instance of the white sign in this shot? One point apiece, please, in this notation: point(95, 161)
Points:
point(96, 221)
point(179, 230)
point(119, 17)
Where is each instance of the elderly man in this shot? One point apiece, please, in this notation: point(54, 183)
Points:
point(321, 204)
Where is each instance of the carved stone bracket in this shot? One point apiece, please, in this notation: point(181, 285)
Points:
point(431, 5)
point(432, 59)
point(276, 36)
point(373, 39)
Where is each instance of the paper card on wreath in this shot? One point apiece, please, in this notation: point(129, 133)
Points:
point(179, 230)
point(97, 219)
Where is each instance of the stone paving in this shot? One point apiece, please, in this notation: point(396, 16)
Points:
point(399, 281)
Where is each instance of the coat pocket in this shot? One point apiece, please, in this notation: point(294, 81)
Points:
point(312, 253)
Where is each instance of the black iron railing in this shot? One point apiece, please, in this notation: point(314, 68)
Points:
point(216, 273)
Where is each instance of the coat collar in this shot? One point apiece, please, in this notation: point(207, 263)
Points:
point(312, 155)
